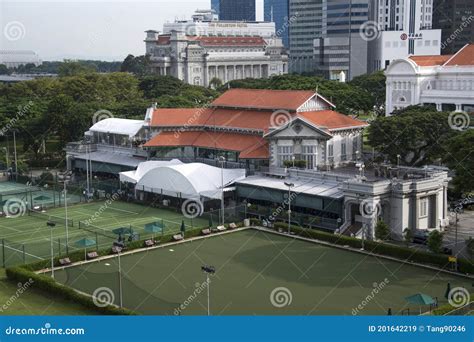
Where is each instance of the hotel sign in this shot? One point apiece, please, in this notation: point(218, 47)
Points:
point(235, 25)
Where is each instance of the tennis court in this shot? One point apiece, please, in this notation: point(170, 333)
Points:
point(27, 238)
point(258, 273)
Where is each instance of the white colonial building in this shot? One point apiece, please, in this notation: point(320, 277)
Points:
point(445, 81)
point(200, 50)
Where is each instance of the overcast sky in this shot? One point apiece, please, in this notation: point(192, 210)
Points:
point(109, 29)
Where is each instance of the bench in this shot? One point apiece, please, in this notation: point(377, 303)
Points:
point(206, 231)
point(221, 228)
point(149, 243)
point(232, 225)
point(178, 237)
point(65, 262)
point(92, 255)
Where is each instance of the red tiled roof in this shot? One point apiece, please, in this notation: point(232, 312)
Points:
point(253, 145)
point(465, 56)
point(331, 119)
point(228, 41)
point(263, 99)
point(173, 117)
point(220, 117)
point(430, 60)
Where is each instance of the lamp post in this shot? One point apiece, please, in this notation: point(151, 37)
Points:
point(209, 270)
point(398, 160)
point(222, 161)
point(65, 214)
point(363, 237)
point(120, 280)
point(289, 185)
point(51, 225)
point(6, 157)
point(14, 153)
point(293, 158)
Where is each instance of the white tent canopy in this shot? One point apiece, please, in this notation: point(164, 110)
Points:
point(118, 126)
point(173, 178)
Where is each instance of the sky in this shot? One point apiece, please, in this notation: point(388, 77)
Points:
point(87, 29)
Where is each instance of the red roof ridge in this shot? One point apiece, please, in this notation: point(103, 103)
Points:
point(460, 53)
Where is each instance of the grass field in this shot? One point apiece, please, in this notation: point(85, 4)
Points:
point(250, 266)
point(27, 238)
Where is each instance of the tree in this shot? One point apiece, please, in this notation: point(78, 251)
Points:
point(139, 65)
point(74, 68)
point(382, 231)
point(374, 85)
point(435, 241)
point(215, 83)
point(408, 236)
point(418, 134)
point(460, 159)
point(4, 70)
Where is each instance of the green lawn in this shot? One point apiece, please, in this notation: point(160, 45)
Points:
point(250, 265)
point(27, 238)
point(34, 302)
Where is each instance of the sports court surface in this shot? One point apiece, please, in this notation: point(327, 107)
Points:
point(309, 278)
point(27, 238)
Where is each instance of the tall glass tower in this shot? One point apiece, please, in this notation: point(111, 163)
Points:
point(278, 11)
point(242, 10)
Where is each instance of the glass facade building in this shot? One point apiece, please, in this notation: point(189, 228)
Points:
point(278, 12)
point(241, 10)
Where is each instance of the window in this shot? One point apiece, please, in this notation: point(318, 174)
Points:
point(331, 153)
point(284, 153)
point(309, 155)
point(424, 207)
point(343, 150)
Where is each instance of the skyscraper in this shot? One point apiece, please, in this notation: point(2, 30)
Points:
point(215, 6)
point(242, 10)
point(456, 20)
point(307, 16)
point(340, 51)
point(278, 12)
point(399, 28)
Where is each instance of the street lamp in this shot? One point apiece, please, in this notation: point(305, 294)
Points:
point(65, 212)
point(289, 185)
point(6, 157)
point(209, 270)
point(222, 161)
point(363, 236)
point(246, 205)
point(16, 160)
point(51, 225)
point(293, 158)
point(398, 160)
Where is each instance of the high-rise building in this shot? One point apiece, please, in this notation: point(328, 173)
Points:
point(340, 51)
point(456, 20)
point(399, 28)
point(241, 10)
point(306, 25)
point(215, 6)
point(278, 12)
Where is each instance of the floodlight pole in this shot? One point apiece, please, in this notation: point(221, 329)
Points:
point(208, 270)
point(289, 185)
point(222, 160)
point(16, 160)
point(51, 226)
point(67, 224)
point(120, 280)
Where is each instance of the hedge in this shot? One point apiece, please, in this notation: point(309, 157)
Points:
point(47, 284)
point(406, 254)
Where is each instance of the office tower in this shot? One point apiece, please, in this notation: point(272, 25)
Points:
point(241, 10)
point(456, 20)
point(278, 12)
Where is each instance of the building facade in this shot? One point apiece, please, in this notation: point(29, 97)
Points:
point(215, 6)
point(445, 81)
point(199, 60)
point(456, 20)
point(15, 58)
point(398, 29)
point(238, 10)
point(306, 25)
point(340, 52)
point(277, 11)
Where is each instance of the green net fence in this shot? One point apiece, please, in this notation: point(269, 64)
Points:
point(51, 218)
